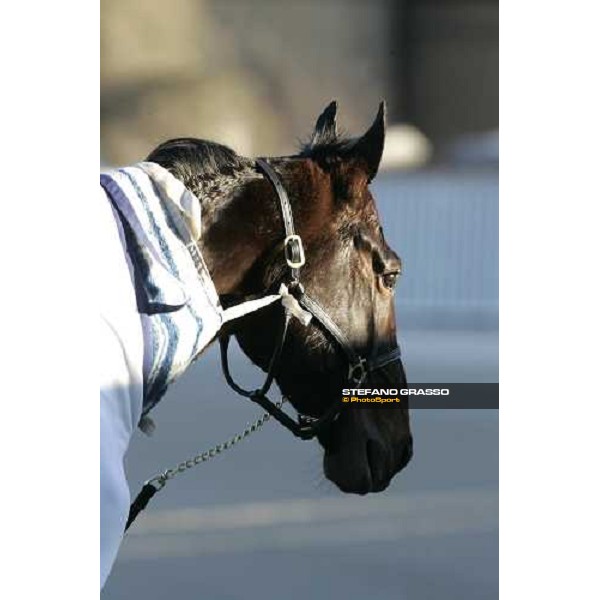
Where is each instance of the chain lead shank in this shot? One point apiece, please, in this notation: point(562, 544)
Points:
point(159, 481)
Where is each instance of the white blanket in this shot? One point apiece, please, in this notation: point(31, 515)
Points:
point(121, 381)
point(158, 310)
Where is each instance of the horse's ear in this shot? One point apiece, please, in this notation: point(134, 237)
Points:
point(369, 148)
point(326, 128)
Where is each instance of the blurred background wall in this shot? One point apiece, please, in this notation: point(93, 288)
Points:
point(255, 75)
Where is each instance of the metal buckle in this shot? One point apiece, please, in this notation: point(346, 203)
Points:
point(358, 371)
point(294, 251)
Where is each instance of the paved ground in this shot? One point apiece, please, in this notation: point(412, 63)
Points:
point(261, 522)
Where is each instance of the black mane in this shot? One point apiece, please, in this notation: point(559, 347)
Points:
point(328, 148)
point(191, 158)
point(210, 170)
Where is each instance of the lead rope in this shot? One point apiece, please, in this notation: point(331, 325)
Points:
point(158, 482)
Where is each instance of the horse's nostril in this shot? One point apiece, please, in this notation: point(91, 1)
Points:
point(376, 461)
point(407, 453)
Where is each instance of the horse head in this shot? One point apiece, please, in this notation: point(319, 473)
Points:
point(350, 270)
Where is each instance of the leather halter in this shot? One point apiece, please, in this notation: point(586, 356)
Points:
point(358, 367)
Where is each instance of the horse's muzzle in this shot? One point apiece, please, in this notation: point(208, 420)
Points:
point(360, 456)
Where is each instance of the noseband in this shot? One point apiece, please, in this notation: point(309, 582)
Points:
point(358, 367)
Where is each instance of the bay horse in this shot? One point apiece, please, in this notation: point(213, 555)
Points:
point(348, 275)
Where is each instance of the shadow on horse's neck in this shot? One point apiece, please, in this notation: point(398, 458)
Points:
point(243, 224)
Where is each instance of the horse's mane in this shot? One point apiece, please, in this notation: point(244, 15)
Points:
point(327, 147)
point(191, 157)
point(212, 171)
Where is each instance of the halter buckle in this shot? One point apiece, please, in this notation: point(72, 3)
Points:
point(294, 251)
point(358, 371)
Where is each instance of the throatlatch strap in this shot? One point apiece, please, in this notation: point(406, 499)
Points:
point(284, 201)
point(293, 245)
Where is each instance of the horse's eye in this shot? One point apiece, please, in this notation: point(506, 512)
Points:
point(389, 280)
